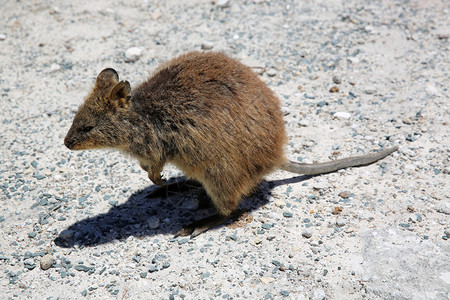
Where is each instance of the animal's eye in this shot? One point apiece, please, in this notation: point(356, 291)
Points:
point(86, 129)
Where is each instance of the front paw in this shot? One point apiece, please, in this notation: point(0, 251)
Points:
point(157, 179)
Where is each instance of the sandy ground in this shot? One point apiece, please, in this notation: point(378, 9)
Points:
point(376, 232)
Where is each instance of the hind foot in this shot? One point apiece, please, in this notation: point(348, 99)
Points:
point(202, 225)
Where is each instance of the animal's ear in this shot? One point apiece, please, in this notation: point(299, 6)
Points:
point(119, 95)
point(106, 79)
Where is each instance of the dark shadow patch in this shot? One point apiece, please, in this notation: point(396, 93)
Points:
point(132, 217)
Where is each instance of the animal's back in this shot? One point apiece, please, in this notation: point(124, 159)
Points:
point(219, 120)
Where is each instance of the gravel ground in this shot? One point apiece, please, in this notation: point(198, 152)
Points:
point(352, 76)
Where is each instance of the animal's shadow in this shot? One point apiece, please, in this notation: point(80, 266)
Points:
point(138, 215)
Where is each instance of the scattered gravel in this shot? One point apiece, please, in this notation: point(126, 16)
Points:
point(78, 224)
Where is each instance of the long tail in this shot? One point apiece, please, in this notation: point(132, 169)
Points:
point(331, 166)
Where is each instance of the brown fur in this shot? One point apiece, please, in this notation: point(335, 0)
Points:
point(206, 113)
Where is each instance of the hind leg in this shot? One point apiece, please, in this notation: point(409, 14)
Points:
point(226, 202)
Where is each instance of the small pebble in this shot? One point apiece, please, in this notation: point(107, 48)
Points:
point(29, 264)
point(271, 72)
point(320, 185)
point(266, 280)
point(287, 214)
point(342, 115)
point(307, 232)
point(407, 121)
point(304, 123)
point(284, 293)
point(344, 195)
point(153, 222)
point(353, 60)
point(2, 36)
point(133, 54)
point(341, 222)
point(370, 90)
point(319, 295)
point(47, 262)
point(191, 203)
point(337, 79)
point(183, 241)
point(207, 45)
point(444, 208)
point(55, 67)
point(222, 3)
point(334, 89)
point(337, 210)
point(369, 29)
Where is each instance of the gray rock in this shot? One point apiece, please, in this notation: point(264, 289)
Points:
point(153, 222)
point(66, 234)
point(337, 79)
point(370, 90)
point(190, 203)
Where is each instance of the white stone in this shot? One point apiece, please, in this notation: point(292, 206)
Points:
point(55, 67)
point(342, 115)
point(266, 280)
point(444, 208)
point(353, 60)
point(370, 90)
point(320, 185)
point(341, 222)
point(47, 262)
point(319, 295)
point(307, 232)
point(207, 45)
point(304, 123)
point(271, 72)
point(133, 54)
point(223, 3)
